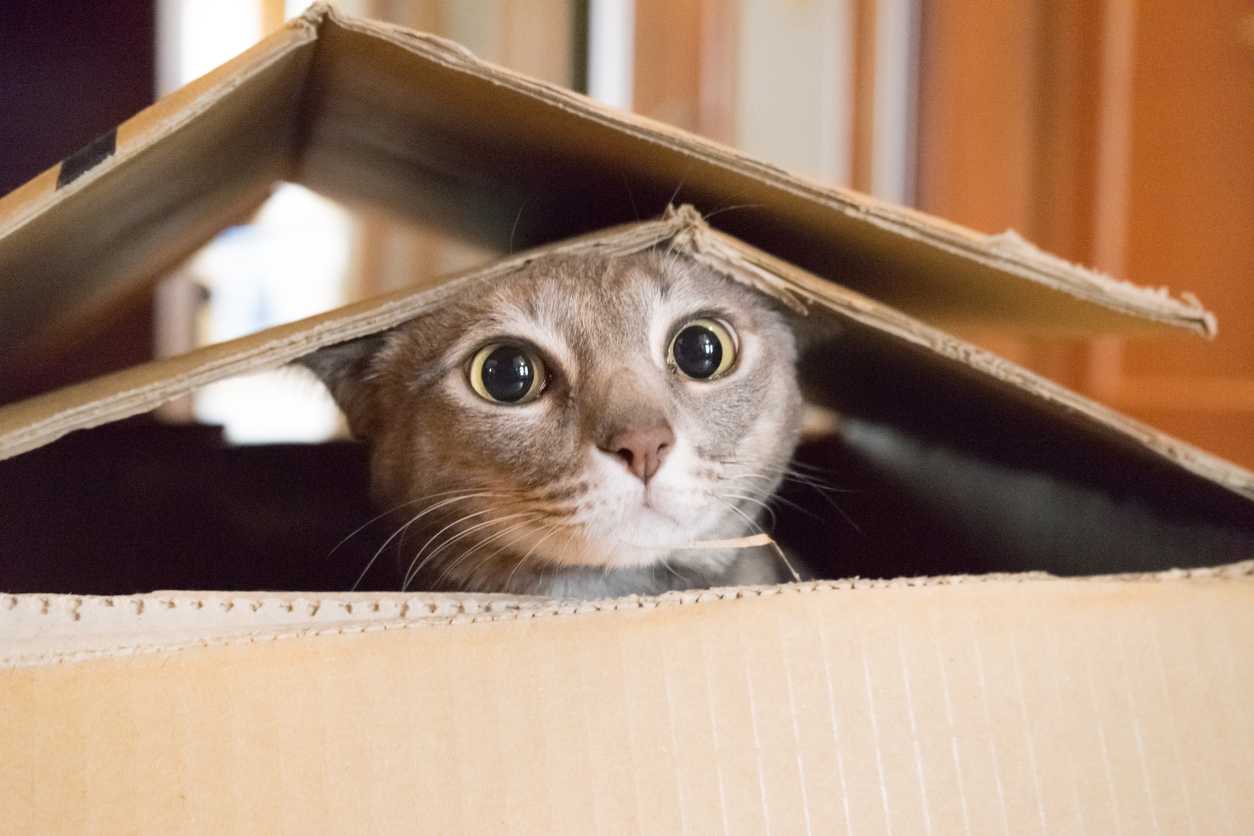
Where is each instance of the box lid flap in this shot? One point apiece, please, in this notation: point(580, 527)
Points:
point(377, 113)
point(37, 421)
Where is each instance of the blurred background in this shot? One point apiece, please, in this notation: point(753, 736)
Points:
point(1113, 133)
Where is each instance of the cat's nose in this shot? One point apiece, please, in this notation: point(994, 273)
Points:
point(642, 449)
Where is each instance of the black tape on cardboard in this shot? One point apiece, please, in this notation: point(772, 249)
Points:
point(88, 157)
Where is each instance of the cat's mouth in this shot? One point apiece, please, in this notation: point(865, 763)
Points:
point(649, 505)
point(650, 520)
point(655, 521)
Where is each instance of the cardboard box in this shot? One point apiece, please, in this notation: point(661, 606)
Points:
point(999, 703)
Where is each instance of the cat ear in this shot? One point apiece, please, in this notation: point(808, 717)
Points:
point(345, 370)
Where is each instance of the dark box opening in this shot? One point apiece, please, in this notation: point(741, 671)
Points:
point(932, 470)
point(140, 506)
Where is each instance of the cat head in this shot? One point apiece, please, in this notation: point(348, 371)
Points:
point(581, 413)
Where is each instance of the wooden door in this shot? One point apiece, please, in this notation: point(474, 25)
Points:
point(1121, 135)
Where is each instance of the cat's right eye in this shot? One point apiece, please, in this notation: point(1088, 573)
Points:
point(507, 373)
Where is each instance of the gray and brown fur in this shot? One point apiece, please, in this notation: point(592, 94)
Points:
point(529, 499)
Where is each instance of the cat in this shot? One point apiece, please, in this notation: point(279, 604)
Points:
point(572, 428)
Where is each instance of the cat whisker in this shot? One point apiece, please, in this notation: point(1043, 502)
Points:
point(826, 493)
point(754, 525)
point(393, 510)
point(754, 501)
point(815, 478)
point(556, 492)
point(814, 481)
point(801, 509)
point(718, 212)
point(369, 523)
point(370, 563)
point(671, 569)
point(415, 566)
point(529, 513)
point(521, 526)
point(813, 468)
point(412, 520)
point(796, 464)
point(844, 515)
point(783, 501)
point(513, 229)
point(556, 565)
point(582, 554)
point(793, 464)
point(779, 552)
point(631, 197)
point(678, 187)
point(822, 489)
point(467, 532)
point(451, 567)
point(553, 529)
point(560, 558)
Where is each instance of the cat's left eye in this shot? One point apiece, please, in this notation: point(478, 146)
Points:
point(507, 373)
point(703, 349)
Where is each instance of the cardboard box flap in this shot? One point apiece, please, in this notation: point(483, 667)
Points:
point(995, 408)
point(512, 143)
point(1098, 706)
point(380, 114)
point(163, 183)
point(40, 420)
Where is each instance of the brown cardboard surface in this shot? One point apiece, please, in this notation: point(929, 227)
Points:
point(1003, 706)
point(379, 114)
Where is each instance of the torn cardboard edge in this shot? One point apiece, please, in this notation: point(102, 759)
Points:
point(830, 212)
point(37, 421)
point(38, 630)
point(1007, 251)
point(33, 423)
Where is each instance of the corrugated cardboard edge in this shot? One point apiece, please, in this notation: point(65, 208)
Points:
point(38, 630)
point(1006, 251)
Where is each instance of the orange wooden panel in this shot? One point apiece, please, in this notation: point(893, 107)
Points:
point(1191, 184)
point(667, 83)
point(977, 112)
point(1119, 135)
